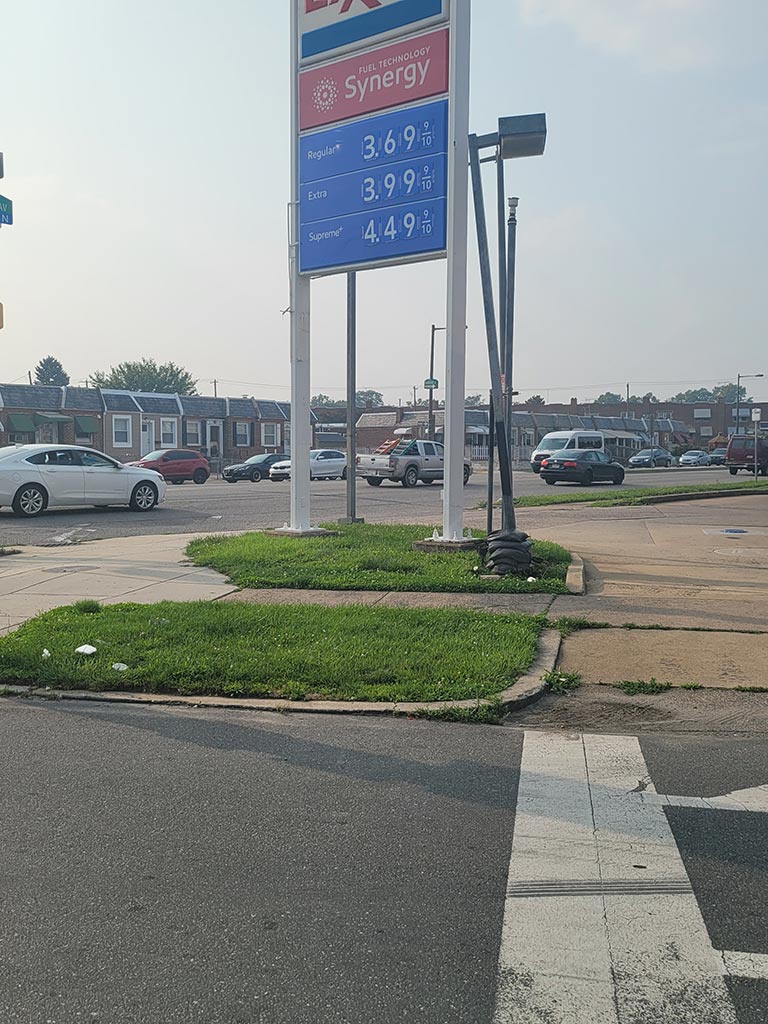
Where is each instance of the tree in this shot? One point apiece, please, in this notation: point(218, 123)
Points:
point(369, 397)
point(609, 398)
point(147, 375)
point(694, 395)
point(534, 402)
point(473, 401)
point(50, 371)
point(730, 393)
point(325, 401)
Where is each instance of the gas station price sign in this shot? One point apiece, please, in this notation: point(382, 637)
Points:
point(374, 190)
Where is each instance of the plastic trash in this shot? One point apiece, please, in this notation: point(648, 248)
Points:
point(46, 653)
point(85, 649)
point(120, 667)
point(531, 579)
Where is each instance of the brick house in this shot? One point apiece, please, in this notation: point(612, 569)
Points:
point(42, 414)
point(122, 425)
point(203, 423)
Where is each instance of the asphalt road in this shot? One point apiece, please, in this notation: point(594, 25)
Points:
point(219, 868)
point(218, 506)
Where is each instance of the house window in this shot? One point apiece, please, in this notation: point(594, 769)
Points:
point(167, 433)
point(702, 414)
point(270, 435)
point(193, 431)
point(241, 435)
point(706, 432)
point(122, 434)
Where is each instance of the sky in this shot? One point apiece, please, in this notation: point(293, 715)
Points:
point(146, 152)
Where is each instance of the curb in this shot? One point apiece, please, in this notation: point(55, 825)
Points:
point(524, 691)
point(575, 579)
point(659, 499)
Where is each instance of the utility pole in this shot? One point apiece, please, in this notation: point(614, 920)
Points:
point(29, 374)
point(414, 397)
point(627, 399)
point(215, 388)
point(431, 413)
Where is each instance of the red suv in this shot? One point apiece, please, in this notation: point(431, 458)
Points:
point(176, 465)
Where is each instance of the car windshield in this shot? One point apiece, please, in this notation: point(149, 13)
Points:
point(255, 458)
point(552, 444)
point(153, 456)
point(646, 453)
point(694, 453)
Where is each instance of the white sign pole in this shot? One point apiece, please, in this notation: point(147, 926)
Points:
point(301, 430)
point(455, 344)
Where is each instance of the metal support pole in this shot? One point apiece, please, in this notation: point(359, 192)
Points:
point(507, 506)
point(352, 399)
point(491, 444)
point(756, 458)
point(501, 216)
point(301, 430)
point(508, 343)
point(738, 403)
point(456, 321)
point(431, 414)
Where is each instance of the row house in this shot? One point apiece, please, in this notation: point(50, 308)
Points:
point(129, 424)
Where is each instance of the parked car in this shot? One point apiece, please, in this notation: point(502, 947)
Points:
point(741, 454)
point(176, 465)
point(324, 464)
point(695, 458)
point(254, 469)
point(582, 466)
point(718, 456)
point(34, 477)
point(651, 457)
point(406, 462)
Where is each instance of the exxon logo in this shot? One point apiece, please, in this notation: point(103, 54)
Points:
point(310, 6)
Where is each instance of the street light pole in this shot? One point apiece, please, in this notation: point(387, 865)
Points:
point(739, 378)
point(508, 336)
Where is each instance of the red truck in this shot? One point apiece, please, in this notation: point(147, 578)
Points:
point(741, 454)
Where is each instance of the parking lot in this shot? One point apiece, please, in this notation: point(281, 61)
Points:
point(217, 506)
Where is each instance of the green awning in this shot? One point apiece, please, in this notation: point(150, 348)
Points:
point(51, 417)
point(20, 423)
point(87, 425)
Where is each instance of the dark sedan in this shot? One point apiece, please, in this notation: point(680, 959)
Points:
point(254, 469)
point(651, 457)
point(581, 466)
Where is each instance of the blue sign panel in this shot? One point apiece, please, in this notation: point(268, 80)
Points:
point(377, 21)
point(414, 229)
point(383, 139)
point(376, 187)
point(375, 190)
point(6, 211)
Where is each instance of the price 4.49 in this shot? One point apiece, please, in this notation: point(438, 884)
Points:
point(396, 227)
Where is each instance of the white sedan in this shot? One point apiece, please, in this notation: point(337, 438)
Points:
point(324, 463)
point(34, 477)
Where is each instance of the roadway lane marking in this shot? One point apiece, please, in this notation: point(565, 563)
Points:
point(600, 923)
point(745, 965)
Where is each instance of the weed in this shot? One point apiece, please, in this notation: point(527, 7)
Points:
point(691, 686)
point(632, 687)
point(752, 689)
point(563, 682)
point(486, 713)
point(8, 551)
point(568, 624)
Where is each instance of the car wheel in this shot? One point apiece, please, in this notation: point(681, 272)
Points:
point(654, 463)
point(144, 497)
point(200, 476)
point(588, 478)
point(410, 477)
point(230, 479)
point(177, 482)
point(428, 483)
point(551, 482)
point(466, 475)
point(344, 473)
point(256, 476)
point(373, 481)
point(30, 501)
point(733, 470)
point(618, 478)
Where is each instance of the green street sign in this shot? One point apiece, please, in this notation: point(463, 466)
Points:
point(6, 211)
point(430, 384)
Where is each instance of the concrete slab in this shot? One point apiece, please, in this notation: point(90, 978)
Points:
point(700, 611)
point(724, 660)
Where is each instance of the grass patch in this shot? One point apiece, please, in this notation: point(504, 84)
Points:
point(87, 607)
point(751, 689)
point(691, 686)
point(293, 651)
point(633, 687)
point(608, 497)
point(563, 682)
point(368, 557)
point(568, 624)
point(489, 713)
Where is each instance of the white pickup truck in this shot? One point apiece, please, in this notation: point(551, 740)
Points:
point(406, 462)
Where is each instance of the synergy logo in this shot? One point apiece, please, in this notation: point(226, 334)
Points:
point(381, 79)
point(331, 26)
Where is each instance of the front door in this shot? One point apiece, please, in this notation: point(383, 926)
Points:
point(214, 440)
point(147, 437)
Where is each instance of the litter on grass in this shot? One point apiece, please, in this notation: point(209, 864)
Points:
point(85, 649)
point(120, 667)
point(46, 653)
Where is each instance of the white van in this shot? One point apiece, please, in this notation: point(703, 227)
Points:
point(559, 439)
